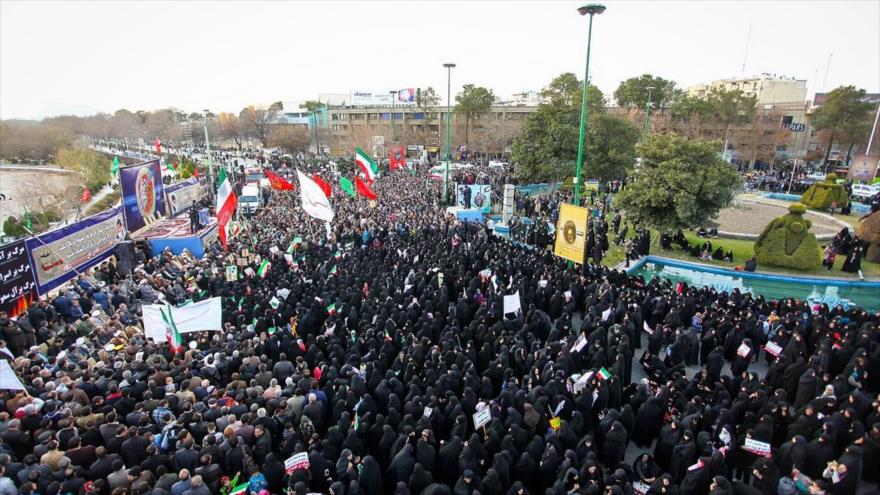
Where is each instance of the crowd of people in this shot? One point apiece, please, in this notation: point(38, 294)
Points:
point(390, 333)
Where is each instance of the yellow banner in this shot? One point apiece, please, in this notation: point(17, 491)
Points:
point(571, 232)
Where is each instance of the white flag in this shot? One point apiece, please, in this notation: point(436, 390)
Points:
point(314, 202)
point(8, 379)
point(202, 316)
point(511, 303)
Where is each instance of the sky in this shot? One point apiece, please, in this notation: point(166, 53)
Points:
point(84, 57)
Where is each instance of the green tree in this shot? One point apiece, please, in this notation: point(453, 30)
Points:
point(546, 149)
point(472, 102)
point(610, 152)
point(427, 98)
point(633, 92)
point(681, 184)
point(94, 167)
point(844, 113)
point(565, 89)
point(311, 105)
point(731, 108)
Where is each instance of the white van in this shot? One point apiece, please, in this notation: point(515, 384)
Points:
point(251, 199)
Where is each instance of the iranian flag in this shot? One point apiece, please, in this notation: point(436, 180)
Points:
point(603, 373)
point(226, 203)
point(264, 268)
point(367, 165)
point(175, 342)
point(331, 309)
point(240, 490)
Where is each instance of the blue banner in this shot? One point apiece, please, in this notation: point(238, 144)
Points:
point(143, 193)
point(57, 256)
point(182, 195)
point(477, 196)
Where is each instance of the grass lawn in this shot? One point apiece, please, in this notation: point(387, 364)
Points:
point(744, 249)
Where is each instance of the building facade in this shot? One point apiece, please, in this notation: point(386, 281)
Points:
point(769, 89)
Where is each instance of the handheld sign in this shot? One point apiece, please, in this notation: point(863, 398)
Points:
point(427, 412)
point(482, 417)
point(743, 350)
point(231, 273)
point(756, 447)
point(296, 461)
point(555, 423)
point(773, 349)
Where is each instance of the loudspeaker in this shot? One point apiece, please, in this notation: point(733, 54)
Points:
point(124, 257)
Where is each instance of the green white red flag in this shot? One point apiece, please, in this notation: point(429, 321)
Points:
point(226, 203)
point(367, 165)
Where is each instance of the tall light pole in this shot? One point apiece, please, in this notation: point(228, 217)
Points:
point(591, 9)
point(393, 129)
point(647, 114)
point(210, 160)
point(449, 67)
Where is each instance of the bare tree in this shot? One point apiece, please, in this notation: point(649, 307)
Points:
point(290, 138)
point(230, 128)
point(257, 121)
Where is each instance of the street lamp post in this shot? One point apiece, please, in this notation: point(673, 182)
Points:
point(393, 129)
point(647, 114)
point(317, 136)
point(591, 9)
point(210, 160)
point(449, 67)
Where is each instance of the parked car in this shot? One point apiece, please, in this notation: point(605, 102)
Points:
point(864, 192)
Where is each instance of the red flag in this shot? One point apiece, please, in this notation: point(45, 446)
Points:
point(322, 184)
point(87, 196)
point(363, 189)
point(196, 172)
point(278, 183)
point(158, 146)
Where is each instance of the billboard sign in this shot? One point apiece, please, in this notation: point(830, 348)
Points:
point(382, 97)
point(475, 196)
point(57, 256)
point(17, 288)
point(182, 195)
point(143, 193)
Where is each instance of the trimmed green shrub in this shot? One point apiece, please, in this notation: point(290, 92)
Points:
point(787, 242)
point(821, 195)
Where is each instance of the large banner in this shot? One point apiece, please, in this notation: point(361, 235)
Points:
point(571, 232)
point(196, 317)
point(182, 195)
point(477, 196)
point(382, 97)
point(142, 193)
point(17, 288)
point(56, 256)
point(397, 158)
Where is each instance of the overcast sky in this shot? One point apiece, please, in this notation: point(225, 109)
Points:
point(222, 55)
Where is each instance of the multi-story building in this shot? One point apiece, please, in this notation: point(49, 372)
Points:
point(422, 129)
point(769, 89)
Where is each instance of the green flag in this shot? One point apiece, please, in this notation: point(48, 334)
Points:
point(346, 186)
point(115, 167)
point(27, 220)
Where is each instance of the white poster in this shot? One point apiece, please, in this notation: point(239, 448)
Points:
point(512, 303)
point(202, 316)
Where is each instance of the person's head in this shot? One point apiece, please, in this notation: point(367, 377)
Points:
point(183, 475)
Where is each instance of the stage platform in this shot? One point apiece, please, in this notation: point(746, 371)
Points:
point(174, 233)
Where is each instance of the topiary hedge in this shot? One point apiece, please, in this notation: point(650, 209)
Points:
point(821, 195)
point(787, 242)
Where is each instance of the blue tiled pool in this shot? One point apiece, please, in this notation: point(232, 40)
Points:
point(831, 292)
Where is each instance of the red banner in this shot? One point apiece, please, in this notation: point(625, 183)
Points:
point(323, 185)
point(278, 183)
point(363, 189)
point(397, 158)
